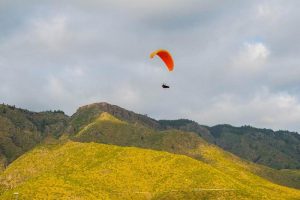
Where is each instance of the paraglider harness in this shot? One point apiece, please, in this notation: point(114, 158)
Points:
point(165, 86)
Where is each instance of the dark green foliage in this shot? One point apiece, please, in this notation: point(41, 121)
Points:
point(187, 125)
point(277, 149)
point(175, 123)
point(21, 130)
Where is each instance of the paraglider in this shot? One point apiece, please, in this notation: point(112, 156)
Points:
point(166, 57)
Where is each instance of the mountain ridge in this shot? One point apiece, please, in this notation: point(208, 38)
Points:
point(283, 147)
point(246, 142)
point(120, 127)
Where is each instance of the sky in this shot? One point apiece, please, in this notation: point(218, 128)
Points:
point(236, 62)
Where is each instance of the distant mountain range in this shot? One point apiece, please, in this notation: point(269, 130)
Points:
point(22, 130)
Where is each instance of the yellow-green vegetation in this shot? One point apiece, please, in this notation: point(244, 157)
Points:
point(96, 171)
point(110, 130)
point(107, 117)
point(103, 117)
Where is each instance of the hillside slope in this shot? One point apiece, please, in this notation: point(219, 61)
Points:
point(109, 130)
point(97, 171)
point(276, 149)
point(88, 113)
point(21, 130)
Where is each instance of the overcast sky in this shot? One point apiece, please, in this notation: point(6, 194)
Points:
point(236, 62)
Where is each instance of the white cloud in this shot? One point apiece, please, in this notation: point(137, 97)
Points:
point(125, 94)
point(252, 56)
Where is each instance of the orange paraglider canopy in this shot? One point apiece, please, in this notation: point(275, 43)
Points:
point(165, 56)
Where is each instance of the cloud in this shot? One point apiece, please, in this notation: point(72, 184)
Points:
point(270, 12)
point(51, 32)
point(236, 62)
point(252, 57)
point(264, 109)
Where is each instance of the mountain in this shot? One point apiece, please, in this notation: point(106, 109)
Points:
point(21, 130)
point(75, 170)
point(188, 125)
point(276, 149)
point(110, 124)
point(86, 114)
point(108, 129)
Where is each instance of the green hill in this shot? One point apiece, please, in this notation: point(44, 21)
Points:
point(110, 130)
point(97, 171)
point(88, 113)
point(21, 130)
point(276, 149)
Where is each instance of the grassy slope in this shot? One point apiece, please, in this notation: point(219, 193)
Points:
point(109, 130)
point(97, 171)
